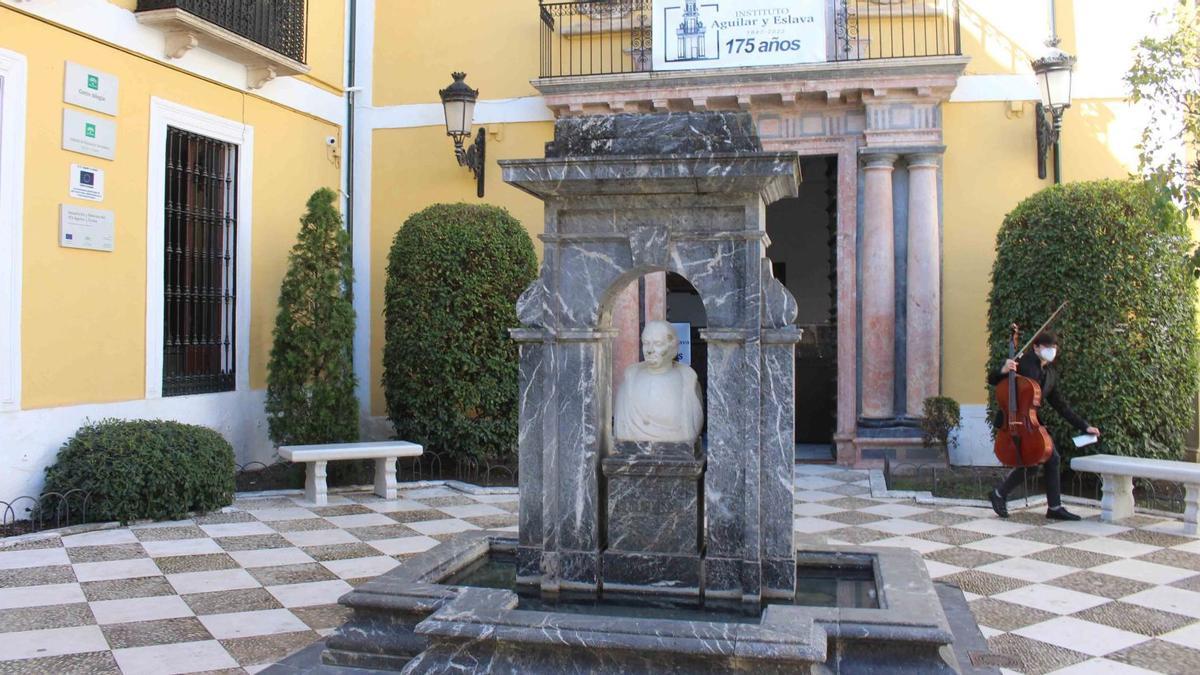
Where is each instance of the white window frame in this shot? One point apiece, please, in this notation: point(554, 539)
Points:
point(12, 189)
point(165, 114)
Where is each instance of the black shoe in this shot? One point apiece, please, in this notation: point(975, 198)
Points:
point(1061, 514)
point(999, 504)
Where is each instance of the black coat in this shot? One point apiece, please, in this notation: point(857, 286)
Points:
point(1030, 366)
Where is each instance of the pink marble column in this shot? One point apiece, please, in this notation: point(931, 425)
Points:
point(625, 322)
point(628, 317)
point(924, 301)
point(656, 297)
point(878, 289)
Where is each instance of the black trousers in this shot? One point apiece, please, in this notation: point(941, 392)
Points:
point(1050, 475)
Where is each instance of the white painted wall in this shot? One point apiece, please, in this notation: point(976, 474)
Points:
point(30, 439)
point(12, 180)
point(971, 444)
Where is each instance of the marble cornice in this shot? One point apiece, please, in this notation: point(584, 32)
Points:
point(812, 86)
point(770, 174)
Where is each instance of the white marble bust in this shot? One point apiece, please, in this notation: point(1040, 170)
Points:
point(659, 399)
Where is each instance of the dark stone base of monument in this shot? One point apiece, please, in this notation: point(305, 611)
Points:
point(457, 608)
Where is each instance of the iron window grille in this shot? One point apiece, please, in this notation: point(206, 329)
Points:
point(200, 264)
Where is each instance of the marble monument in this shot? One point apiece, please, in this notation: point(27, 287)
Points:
point(640, 549)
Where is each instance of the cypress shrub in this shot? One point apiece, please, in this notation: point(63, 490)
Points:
point(136, 469)
point(1128, 359)
point(310, 376)
point(450, 369)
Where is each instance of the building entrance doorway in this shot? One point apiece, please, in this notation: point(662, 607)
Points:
point(803, 233)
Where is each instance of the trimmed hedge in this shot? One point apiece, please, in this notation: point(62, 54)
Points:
point(145, 469)
point(1128, 359)
point(450, 369)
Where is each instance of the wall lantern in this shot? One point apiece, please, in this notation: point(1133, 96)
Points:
point(1053, 70)
point(458, 100)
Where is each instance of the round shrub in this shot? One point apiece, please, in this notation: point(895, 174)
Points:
point(1119, 255)
point(450, 369)
point(139, 469)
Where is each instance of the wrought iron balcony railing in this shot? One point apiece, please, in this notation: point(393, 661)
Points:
point(604, 37)
point(278, 25)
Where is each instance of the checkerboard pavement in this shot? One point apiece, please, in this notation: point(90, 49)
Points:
point(229, 592)
point(232, 592)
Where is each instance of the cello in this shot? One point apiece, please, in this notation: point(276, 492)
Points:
point(1022, 440)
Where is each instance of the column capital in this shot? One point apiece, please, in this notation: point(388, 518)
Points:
point(880, 160)
point(925, 158)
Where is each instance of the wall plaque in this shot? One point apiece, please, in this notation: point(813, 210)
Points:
point(90, 88)
point(87, 183)
point(82, 227)
point(89, 134)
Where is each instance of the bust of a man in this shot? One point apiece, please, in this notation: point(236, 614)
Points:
point(659, 399)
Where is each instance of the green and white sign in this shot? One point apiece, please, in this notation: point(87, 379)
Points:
point(81, 227)
point(89, 134)
point(90, 88)
point(696, 34)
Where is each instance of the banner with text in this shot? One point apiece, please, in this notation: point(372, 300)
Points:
point(694, 34)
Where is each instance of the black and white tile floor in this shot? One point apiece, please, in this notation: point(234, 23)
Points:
point(233, 592)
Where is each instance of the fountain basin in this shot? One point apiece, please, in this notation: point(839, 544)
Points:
point(457, 607)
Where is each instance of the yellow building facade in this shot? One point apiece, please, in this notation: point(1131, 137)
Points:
point(357, 109)
point(84, 326)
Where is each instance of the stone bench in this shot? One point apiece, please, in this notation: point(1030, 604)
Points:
point(384, 453)
point(1118, 473)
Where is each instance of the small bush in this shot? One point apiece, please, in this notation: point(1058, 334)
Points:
point(450, 368)
point(1119, 254)
point(941, 417)
point(138, 469)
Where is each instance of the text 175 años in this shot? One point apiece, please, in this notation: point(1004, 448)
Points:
point(748, 46)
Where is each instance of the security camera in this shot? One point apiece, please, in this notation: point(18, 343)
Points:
point(331, 141)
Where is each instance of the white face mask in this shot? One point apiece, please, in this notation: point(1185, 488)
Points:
point(1048, 353)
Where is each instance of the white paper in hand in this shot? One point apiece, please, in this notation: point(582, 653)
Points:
point(1085, 439)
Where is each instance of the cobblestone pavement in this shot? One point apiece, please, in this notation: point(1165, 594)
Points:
point(232, 592)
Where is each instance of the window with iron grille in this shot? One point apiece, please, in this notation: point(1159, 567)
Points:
point(200, 264)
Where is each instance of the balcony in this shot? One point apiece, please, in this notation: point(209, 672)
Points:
point(600, 55)
point(605, 37)
point(267, 36)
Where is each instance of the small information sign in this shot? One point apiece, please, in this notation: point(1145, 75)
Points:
point(87, 183)
point(82, 227)
point(89, 135)
point(90, 88)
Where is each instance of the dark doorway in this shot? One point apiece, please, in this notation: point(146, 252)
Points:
point(803, 231)
point(684, 306)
